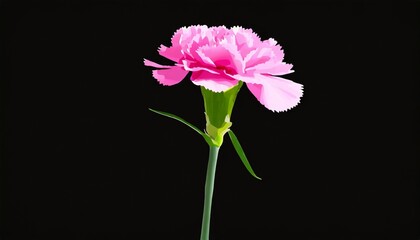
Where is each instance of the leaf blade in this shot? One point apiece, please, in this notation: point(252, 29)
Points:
point(241, 154)
point(173, 116)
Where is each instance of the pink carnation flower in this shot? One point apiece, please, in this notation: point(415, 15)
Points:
point(218, 58)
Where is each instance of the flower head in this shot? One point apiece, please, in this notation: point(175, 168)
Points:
point(219, 57)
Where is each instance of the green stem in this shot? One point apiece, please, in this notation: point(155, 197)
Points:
point(208, 194)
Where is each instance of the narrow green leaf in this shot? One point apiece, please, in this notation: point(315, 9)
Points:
point(207, 138)
point(241, 153)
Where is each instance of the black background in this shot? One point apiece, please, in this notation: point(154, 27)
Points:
point(83, 158)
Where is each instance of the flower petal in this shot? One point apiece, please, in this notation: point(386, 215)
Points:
point(173, 53)
point(272, 68)
point(223, 56)
point(267, 51)
point(153, 64)
point(170, 76)
point(194, 66)
point(275, 93)
point(246, 40)
point(211, 81)
point(247, 77)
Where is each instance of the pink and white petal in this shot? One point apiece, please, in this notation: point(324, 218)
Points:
point(236, 56)
point(257, 56)
point(214, 82)
point(223, 56)
point(205, 59)
point(275, 93)
point(276, 49)
point(194, 67)
point(246, 40)
point(268, 51)
point(191, 51)
point(176, 38)
point(272, 68)
point(173, 53)
point(249, 77)
point(153, 64)
point(170, 76)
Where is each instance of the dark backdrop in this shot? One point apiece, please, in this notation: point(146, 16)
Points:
point(83, 158)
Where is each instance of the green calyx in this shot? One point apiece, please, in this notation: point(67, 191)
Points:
point(218, 110)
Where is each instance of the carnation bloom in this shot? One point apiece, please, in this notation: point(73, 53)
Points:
point(219, 57)
point(220, 61)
